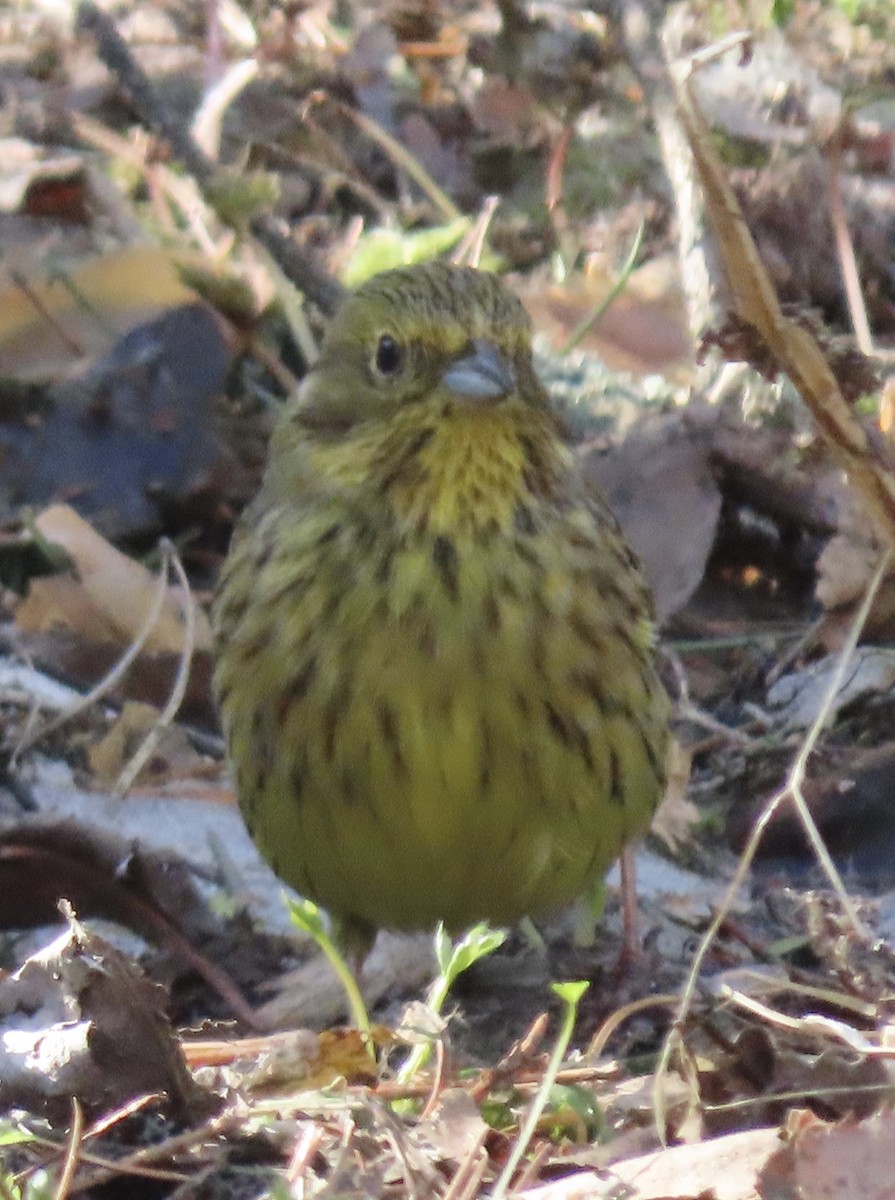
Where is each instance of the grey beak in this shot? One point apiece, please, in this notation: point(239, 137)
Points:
point(484, 374)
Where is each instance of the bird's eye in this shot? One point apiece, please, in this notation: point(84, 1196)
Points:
point(389, 356)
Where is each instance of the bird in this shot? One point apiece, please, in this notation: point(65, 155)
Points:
point(435, 651)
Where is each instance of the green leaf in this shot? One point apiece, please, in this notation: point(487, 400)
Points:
point(782, 12)
point(382, 249)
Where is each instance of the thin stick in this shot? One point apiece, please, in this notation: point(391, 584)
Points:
point(72, 1153)
point(471, 246)
point(845, 250)
point(110, 680)
point(585, 326)
point(169, 712)
point(406, 161)
point(791, 790)
point(314, 283)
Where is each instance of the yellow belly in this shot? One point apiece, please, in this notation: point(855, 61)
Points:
point(435, 731)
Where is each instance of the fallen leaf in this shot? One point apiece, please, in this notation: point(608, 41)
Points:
point(80, 1020)
point(109, 593)
point(852, 1160)
point(676, 817)
point(172, 758)
point(658, 480)
point(132, 438)
point(50, 323)
point(43, 860)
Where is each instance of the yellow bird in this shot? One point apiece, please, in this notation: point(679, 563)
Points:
point(435, 650)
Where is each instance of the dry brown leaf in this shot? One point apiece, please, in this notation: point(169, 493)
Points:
point(656, 481)
point(854, 1160)
point(844, 570)
point(455, 1126)
point(676, 817)
point(117, 592)
point(96, 1027)
point(51, 324)
point(643, 331)
point(173, 756)
point(724, 1168)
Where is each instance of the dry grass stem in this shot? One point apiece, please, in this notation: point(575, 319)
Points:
point(146, 748)
point(793, 347)
point(845, 251)
point(792, 790)
point(72, 1152)
point(113, 677)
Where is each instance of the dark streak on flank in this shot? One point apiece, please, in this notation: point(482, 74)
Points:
point(485, 534)
point(523, 520)
point(613, 707)
point(539, 652)
point(579, 539)
point(332, 604)
point(508, 587)
point(557, 724)
point(295, 588)
point(569, 733)
point(589, 683)
point(491, 611)
point(296, 691)
point(537, 476)
point(426, 639)
point(296, 782)
point(585, 632)
point(585, 751)
point(232, 611)
point(255, 646)
point(657, 767)
point(348, 788)
point(526, 553)
point(365, 535)
point(623, 632)
point(485, 760)
point(232, 614)
point(384, 566)
point(444, 556)
point(646, 674)
point(388, 724)
point(330, 725)
point(259, 783)
point(330, 534)
point(267, 550)
point(532, 453)
point(616, 786)
point(407, 464)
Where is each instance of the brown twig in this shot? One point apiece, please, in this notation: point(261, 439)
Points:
point(791, 791)
point(845, 248)
point(72, 1152)
point(792, 347)
point(188, 607)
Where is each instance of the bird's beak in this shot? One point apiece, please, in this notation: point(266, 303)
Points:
point(484, 374)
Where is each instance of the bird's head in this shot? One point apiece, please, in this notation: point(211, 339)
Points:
point(425, 406)
point(438, 334)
